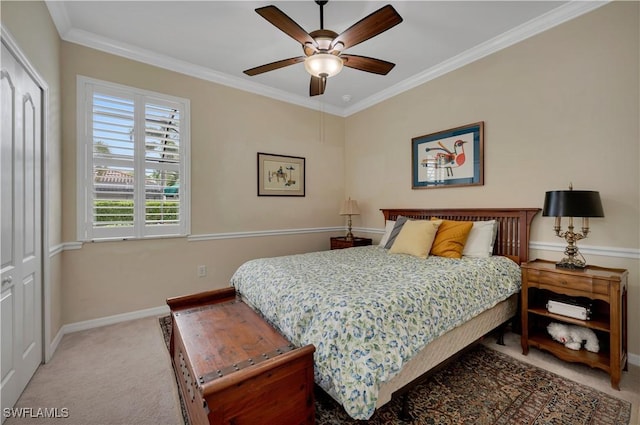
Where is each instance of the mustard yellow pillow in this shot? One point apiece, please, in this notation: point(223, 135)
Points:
point(415, 238)
point(451, 237)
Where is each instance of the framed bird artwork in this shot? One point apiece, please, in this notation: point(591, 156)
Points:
point(448, 158)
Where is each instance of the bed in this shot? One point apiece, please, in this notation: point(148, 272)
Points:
point(376, 325)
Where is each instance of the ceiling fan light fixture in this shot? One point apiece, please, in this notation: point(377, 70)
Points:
point(323, 48)
point(323, 65)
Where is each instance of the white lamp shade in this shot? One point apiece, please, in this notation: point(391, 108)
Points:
point(323, 65)
point(350, 207)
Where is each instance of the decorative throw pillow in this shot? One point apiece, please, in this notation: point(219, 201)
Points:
point(451, 238)
point(481, 239)
point(415, 238)
point(400, 220)
point(388, 227)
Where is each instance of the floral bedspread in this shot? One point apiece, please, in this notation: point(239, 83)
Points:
point(367, 311)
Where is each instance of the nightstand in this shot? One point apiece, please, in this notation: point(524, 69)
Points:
point(341, 242)
point(604, 289)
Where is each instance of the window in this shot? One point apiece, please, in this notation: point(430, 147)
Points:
point(133, 162)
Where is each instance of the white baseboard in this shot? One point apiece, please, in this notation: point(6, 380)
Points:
point(110, 320)
point(54, 345)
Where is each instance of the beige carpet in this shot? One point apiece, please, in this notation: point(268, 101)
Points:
point(121, 374)
point(113, 375)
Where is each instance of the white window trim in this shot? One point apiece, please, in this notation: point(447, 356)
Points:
point(84, 166)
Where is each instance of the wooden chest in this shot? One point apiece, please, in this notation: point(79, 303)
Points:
point(234, 368)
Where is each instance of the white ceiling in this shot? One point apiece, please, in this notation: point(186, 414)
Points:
point(217, 40)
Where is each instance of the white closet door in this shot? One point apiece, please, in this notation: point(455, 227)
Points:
point(20, 217)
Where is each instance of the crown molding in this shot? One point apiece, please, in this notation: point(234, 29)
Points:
point(553, 18)
point(107, 45)
point(59, 15)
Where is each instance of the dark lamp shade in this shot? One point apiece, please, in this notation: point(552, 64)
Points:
point(572, 203)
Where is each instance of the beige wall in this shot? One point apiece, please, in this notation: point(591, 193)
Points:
point(560, 107)
point(228, 128)
point(30, 24)
point(108, 278)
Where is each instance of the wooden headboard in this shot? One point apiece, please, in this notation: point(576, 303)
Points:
point(514, 225)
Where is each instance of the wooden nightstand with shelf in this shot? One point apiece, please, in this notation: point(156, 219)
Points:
point(341, 242)
point(605, 289)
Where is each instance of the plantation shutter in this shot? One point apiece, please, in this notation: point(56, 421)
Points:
point(162, 163)
point(135, 161)
point(113, 157)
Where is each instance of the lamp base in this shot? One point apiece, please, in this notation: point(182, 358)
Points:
point(571, 264)
point(573, 259)
point(349, 235)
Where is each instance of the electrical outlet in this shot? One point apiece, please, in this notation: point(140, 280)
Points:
point(202, 271)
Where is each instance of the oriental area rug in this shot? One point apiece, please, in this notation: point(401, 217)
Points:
point(484, 387)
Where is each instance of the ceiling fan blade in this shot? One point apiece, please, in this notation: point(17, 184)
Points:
point(273, 65)
point(317, 86)
point(285, 24)
point(368, 27)
point(363, 63)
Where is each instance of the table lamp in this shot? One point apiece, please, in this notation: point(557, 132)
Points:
point(349, 208)
point(572, 203)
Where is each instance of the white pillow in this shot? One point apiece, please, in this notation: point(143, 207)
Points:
point(388, 227)
point(481, 239)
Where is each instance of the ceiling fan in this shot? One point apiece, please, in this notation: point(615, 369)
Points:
point(323, 48)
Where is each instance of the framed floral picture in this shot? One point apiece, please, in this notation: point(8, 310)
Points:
point(449, 158)
point(280, 175)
